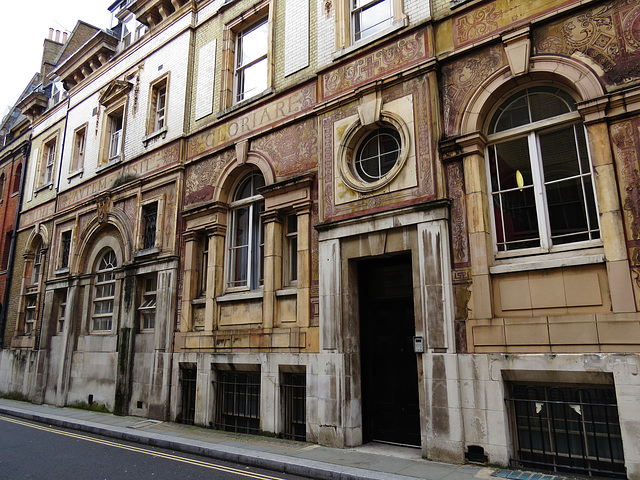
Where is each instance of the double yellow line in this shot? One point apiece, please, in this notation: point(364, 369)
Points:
point(144, 451)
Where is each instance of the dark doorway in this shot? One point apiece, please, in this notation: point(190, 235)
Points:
point(389, 366)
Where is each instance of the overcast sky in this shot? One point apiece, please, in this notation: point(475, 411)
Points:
point(24, 25)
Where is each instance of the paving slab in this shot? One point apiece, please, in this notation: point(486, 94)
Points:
point(369, 462)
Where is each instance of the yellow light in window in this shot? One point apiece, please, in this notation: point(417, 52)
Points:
point(519, 179)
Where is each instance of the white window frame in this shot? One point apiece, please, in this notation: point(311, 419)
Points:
point(114, 148)
point(148, 303)
point(79, 147)
point(62, 311)
point(31, 303)
point(357, 7)
point(102, 322)
point(48, 161)
point(240, 69)
point(290, 260)
point(254, 246)
point(36, 266)
point(160, 108)
point(531, 132)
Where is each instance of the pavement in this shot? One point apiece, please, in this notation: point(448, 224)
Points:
point(368, 462)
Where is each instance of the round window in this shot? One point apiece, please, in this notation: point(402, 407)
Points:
point(372, 156)
point(377, 154)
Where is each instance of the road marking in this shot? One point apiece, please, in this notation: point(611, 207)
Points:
point(145, 451)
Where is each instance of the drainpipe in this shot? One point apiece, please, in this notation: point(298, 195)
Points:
point(26, 149)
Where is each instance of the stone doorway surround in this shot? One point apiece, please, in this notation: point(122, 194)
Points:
point(422, 230)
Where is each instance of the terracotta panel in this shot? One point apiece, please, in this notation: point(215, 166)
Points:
point(280, 340)
point(528, 349)
point(575, 348)
point(535, 334)
point(573, 333)
point(514, 291)
point(488, 335)
point(619, 332)
point(620, 348)
point(240, 313)
point(582, 288)
point(491, 349)
point(287, 309)
point(547, 289)
point(525, 320)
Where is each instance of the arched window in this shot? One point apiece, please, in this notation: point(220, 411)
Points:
point(104, 293)
point(539, 172)
point(246, 236)
point(36, 266)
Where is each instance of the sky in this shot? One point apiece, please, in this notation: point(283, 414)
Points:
point(24, 25)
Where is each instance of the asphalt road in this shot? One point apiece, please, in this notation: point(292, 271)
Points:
point(39, 452)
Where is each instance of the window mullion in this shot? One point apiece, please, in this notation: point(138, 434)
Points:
point(490, 196)
point(539, 190)
point(250, 248)
point(582, 180)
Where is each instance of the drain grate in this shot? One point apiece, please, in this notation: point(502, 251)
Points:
point(520, 475)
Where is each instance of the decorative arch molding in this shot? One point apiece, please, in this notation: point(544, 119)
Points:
point(108, 241)
point(39, 231)
point(237, 168)
point(117, 235)
point(569, 72)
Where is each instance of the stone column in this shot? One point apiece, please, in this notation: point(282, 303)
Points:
point(161, 371)
point(330, 292)
point(66, 353)
point(611, 225)
point(272, 266)
point(215, 276)
point(190, 280)
point(44, 348)
point(436, 287)
point(126, 339)
point(304, 268)
point(480, 243)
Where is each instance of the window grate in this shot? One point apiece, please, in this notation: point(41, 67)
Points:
point(188, 381)
point(150, 214)
point(567, 430)
point(237, 402)
point(294, 398)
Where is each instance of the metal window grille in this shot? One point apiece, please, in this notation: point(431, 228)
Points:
point(237, 402)
point(66, 249)
point(204, 262)
point(150, 213)
point(188, 410)
point(567, 429)
point(294, 399)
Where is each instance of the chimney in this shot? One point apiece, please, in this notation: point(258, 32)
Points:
point(64, 37)
point(51, 34)
point(57, 36)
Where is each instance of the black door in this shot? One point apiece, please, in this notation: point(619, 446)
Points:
point(389, 366)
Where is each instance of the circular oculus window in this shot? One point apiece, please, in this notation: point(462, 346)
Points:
point(377, 154)
point(371, 158)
